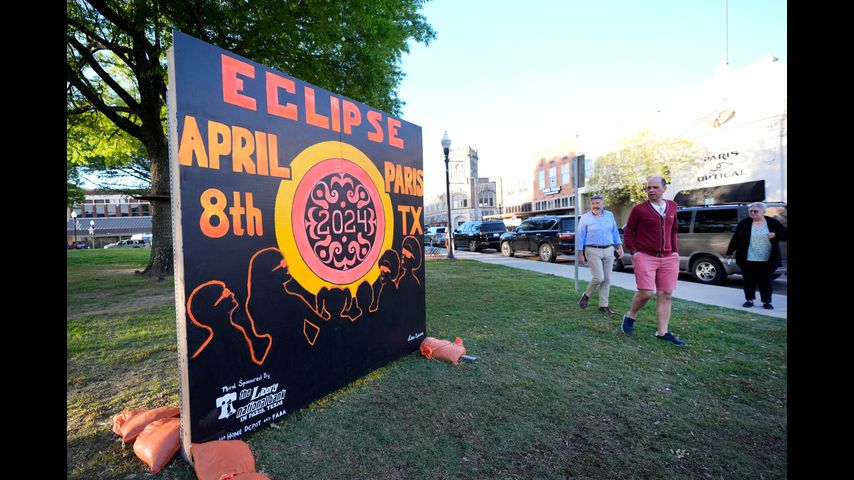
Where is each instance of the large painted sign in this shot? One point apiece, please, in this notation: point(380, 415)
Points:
point(297, 219)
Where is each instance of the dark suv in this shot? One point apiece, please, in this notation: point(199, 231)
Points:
point(704, 234)
point(477, 235)
point(546, 236)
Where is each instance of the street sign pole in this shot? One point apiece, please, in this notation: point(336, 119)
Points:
point(92, 232)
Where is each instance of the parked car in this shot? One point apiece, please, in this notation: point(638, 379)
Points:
point(432, 236)
point(126, 244)
point(479, 234)
point(546, 236)
point(77, 246)
point(704, 233)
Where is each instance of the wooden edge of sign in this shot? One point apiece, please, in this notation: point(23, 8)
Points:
point(178, 259)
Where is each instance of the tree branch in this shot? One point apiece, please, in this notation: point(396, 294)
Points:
point(96, 67)
point(96, 100)
point(122, 52)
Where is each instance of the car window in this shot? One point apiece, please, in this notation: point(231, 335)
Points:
point(715, 221)
point(567, 224)
point(493, 227)
point(684, 221)
point(543, 224)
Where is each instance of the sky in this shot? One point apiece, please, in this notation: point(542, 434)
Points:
point(520, 80)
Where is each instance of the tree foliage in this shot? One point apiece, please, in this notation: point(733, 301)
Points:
point(620, 176)
point(74, 195)
point(116, 68)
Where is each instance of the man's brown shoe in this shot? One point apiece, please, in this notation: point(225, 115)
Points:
point(608, 310)
point(583, 302)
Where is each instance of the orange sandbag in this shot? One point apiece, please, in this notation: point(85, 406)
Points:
point(158, 443)
point(443, 349)
point(222, 459)
point(136, 420)
point(120, 419)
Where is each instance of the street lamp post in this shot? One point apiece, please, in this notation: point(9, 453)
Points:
point(446, 146)
point(74, 220)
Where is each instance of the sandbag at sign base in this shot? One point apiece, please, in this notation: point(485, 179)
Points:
point(443, 349)
point(158, 443)
point(224, 460)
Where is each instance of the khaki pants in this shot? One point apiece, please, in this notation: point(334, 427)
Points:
point(601, 261)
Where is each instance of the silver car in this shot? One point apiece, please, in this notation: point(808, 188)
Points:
point(435, 236)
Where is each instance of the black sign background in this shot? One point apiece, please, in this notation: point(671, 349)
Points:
point(259, 337)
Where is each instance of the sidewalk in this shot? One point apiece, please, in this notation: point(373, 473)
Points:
point(709, 294)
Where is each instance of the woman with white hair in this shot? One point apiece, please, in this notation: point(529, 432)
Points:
point(756, 243)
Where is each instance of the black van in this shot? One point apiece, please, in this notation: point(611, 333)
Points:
point(546, 236)
point(477, 235)
point(704, 234)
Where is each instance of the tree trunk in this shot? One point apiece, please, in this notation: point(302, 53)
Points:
point(161, 261)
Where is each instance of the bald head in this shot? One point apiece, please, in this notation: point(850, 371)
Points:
point(657, 179)
point(655, 188)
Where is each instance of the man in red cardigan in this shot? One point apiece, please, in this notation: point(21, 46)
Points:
point(650, 236)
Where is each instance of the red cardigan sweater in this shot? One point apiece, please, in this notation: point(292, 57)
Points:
point(649, 232)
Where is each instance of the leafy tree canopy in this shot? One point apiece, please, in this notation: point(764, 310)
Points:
point(116, 66)
point(620, 176)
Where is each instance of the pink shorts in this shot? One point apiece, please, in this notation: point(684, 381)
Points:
point(656, 273)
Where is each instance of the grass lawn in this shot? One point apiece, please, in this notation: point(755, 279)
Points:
point(557, 393)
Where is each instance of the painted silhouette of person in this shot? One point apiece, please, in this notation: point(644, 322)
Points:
point(411, 256)
point(389, 265)
point(210, 307)
point(276, 302)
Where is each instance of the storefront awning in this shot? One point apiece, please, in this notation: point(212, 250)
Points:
point(733, 193)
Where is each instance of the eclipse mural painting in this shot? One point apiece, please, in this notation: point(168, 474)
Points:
point(297, 220)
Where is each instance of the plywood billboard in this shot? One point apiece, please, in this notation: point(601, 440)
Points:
point(297, 217)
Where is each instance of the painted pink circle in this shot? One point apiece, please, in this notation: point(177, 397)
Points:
point(317, 261)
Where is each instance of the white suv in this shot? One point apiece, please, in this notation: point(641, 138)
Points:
point(126, 244)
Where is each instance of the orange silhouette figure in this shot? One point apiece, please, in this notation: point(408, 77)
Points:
point(255, 342)
point(269, 268)
point(226, 293)
point(411, 258)
point(389, 264)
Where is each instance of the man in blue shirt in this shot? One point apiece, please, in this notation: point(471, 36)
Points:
point(596, 238)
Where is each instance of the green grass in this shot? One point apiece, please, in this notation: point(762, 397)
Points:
point(557, 393)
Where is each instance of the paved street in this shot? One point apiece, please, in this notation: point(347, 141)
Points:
point(729, 295)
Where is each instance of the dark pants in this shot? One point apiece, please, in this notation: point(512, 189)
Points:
point(757, 274)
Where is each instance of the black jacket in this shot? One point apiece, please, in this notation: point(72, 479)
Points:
point(740, 241)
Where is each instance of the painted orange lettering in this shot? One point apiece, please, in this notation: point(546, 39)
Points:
point(407, 179)
point(243, 146)
point(213, 202)
point(393, 139)
point(352, 116)
point(398, 180)
point(192, 144)
point(275, 169)
point(261, 149)
point(335, 113)
point(374, 118)
point(389, 175)
point(219, 142)
point(274, 83)
point(232, 85)
point(311, 115)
